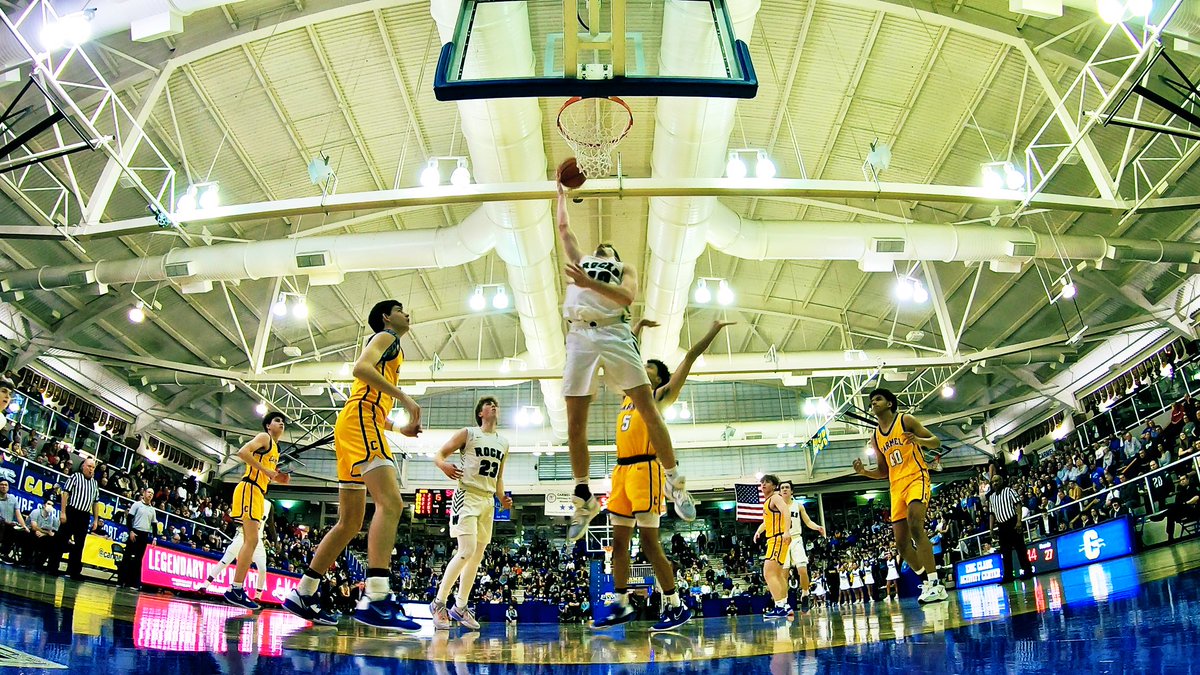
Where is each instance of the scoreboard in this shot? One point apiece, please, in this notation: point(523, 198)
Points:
point(435, 505)
point(432, 504)
point(1108, 540)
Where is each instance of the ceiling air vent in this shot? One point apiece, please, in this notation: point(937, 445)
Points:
point(309, 260)
point(179, 269)
point(888, 245)
point(80, 278)
point(1021, 249)
point(754, 435)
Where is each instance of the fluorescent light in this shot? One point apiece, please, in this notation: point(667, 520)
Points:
point(948, 390)
point(764, 167)
point(993, 180)
point(137, 313)
point(920, 295)
point(671, 413)
point(261, 408)
point(461, 175)
point(1069, 290)
point(904, 289)
point(500, 299)
point(210, 198)
point(684, 412)
point(187, 203)
point(300, 309)
point(279, 308)
point(477, 302)
point(1111, 11)
point(703, 295)
point(724, 293)
point(735, 168)
point(1013, 179)
point(535, 416)
point(429, 175)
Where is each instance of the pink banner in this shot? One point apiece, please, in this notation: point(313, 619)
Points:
point(165, 624)
point(180, 571)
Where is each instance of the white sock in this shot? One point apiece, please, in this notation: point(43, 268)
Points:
point(673, 599)
point(781, 604)
point(933, 577)
point(378, 588)
point(308, 586)
point(623, 599)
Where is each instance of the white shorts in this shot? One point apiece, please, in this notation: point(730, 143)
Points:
point(646, 519)
point(471, 514)
point(796, 553)
point(612, 347)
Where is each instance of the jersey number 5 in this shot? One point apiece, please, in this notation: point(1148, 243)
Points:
point(489, 469)
point(895, 459)
point(625, 422)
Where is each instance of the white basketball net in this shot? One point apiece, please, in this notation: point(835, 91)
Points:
point(593, 127)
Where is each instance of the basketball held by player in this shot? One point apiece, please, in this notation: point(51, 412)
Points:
point(897, 445)
point(596, 307)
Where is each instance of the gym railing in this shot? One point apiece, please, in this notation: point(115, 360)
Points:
point(53, 424)
point(1136, 490)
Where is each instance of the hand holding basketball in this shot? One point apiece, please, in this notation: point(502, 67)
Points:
point(569, 175)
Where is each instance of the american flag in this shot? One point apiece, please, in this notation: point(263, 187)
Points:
point(749, 502)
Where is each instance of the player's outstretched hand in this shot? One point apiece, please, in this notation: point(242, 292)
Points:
point(858, 466)
point(645, 323)
point(452, 472)
point(718, 325)
point(576, 274)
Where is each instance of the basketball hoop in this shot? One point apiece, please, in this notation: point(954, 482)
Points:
point(593, 127)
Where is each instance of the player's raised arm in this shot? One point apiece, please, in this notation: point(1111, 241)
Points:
point(569, 242)
point(668, 393)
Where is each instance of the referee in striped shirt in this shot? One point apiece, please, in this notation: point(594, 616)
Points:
point(1005, 507)
point(79, 506)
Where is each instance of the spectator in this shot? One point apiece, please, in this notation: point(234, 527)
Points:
point(40, 548)
point(13, 530)
point(1186, 507)
point(142, 519)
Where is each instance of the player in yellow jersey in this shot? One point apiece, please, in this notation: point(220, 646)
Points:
point(261, 456)
point(897, 443)
point(638, 494)
point(777, 526)
point(365, 465)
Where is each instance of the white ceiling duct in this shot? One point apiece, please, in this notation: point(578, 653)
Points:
point(505, 140)
point(323, 258)
point(876, 245)
point(691, 136)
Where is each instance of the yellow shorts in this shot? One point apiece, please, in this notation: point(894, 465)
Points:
point(912, 488)
point(359, 443)
point(776, 550)
point(638, 489)
point(249, 501)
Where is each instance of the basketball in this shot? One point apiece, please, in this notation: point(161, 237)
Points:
point(569, 174)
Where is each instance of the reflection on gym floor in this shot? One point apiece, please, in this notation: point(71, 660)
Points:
point(1104, 613)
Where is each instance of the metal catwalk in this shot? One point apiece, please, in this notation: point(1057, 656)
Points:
point(1134, 614)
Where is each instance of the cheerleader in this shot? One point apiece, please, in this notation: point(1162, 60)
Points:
point(844, 584)
point(868, 575)
point(892, 590)
point(856, 581)
point(818, 590)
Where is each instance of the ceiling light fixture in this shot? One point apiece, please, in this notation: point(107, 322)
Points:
point(137, 313)
point(71, 29)
point(431, 175)
point(736, 167)
point(478, 303)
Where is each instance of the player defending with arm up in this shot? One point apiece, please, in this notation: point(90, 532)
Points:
point(596, 306)
point(897, 444)
point(480, 481)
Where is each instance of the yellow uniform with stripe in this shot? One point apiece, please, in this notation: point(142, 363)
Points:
point(907, 471)
point(250, 495)
point(638, 482)
point(358, 440)
point(773, 524)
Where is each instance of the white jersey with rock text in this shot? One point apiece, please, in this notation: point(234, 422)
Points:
point(585, 304)
point(481, 458)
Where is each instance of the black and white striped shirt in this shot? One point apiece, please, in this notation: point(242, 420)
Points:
point(83, 492)
point(1004, 505)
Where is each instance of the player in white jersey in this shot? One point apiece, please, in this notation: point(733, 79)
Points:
point(480, 481)
point(797, 557)
point(231, 554)
point(597, 308)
